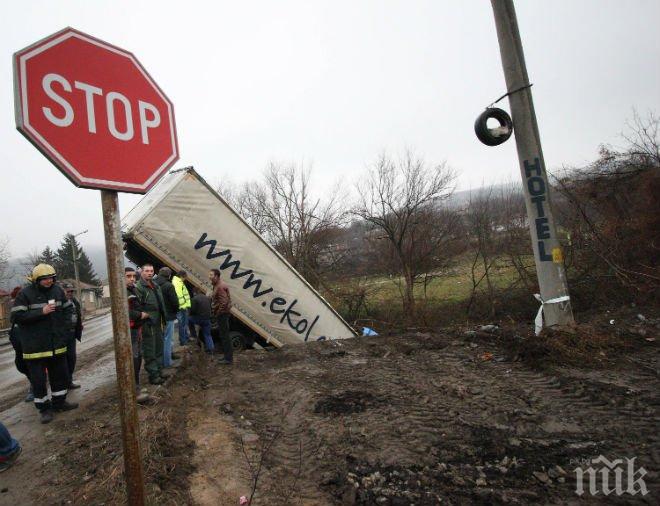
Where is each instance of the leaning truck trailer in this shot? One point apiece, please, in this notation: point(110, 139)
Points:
point(182, 223)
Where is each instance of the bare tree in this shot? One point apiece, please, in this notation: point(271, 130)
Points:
point(400, 199)
point(515, 244)
point(29, 261)
point(302, 228)
point(498, 236)
point(481, 223)
point(5, 272)
point(243, 198)
point(610, 214)
point(644, 139)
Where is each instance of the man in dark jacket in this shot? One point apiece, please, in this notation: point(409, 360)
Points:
point(136, 318)
point(43, 315)
point(171, 301)
point(220, 312)
point(151, 300)
point(76, 329)
point(200, 314)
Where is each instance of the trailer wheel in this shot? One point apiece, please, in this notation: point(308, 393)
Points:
point(493, 136)
point(237, 340)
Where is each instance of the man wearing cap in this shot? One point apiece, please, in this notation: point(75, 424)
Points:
point(44, 316)
point(75, 334)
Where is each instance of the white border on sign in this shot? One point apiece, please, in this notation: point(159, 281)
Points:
point(26, 120)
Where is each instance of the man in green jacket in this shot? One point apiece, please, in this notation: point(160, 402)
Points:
point(182, 293)
point(151, 301)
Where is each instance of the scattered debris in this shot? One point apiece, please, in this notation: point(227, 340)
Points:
point(542, 477)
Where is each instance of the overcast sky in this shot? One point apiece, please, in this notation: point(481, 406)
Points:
point(333, 83)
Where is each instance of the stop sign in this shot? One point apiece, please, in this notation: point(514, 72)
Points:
point(95, 112)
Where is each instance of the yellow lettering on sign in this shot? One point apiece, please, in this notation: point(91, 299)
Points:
point(557, 255)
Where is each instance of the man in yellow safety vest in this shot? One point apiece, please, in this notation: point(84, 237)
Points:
point(179, 282)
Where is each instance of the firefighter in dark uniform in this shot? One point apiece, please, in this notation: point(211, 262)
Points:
point(43, 315)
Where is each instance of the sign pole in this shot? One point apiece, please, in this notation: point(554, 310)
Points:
point(547, 250)
point(74, 256)
point(123, 354)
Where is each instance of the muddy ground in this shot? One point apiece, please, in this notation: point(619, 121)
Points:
point(460, 416)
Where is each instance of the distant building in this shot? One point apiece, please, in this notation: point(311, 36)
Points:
point(90, 295)
point(105, 285)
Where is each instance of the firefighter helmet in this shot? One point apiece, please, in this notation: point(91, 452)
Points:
point(42, 271)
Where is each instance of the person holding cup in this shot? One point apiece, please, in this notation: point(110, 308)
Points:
point(43, 315)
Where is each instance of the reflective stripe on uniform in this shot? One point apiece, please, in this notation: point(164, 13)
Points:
point(41, 354)
point(43, 399)
point(44, 304)
point(67, 304)
point(19, 308)
point(59, 393)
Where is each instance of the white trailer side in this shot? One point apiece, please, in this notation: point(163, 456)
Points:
point(186, 225)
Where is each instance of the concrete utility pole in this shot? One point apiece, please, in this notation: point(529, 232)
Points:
point(74, 257)
point(547, 251)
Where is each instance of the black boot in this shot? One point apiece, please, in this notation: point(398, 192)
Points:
point(46, 416)
point(65, 406)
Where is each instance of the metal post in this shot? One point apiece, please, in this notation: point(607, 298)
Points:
point(74, 259)
point(123, 355)
point(74, 256)
point(547, 250)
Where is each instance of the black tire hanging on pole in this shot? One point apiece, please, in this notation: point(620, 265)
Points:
point(493, 136)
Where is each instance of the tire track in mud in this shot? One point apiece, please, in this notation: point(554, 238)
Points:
point(281, 435)
point(419, 401)
point(574, 405)
point(623, 416)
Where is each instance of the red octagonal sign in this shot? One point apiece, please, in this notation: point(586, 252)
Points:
point(95, 112)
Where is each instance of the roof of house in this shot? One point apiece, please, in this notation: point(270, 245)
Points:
point(83, 286)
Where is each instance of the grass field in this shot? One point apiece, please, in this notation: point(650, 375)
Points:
point(453, 287)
